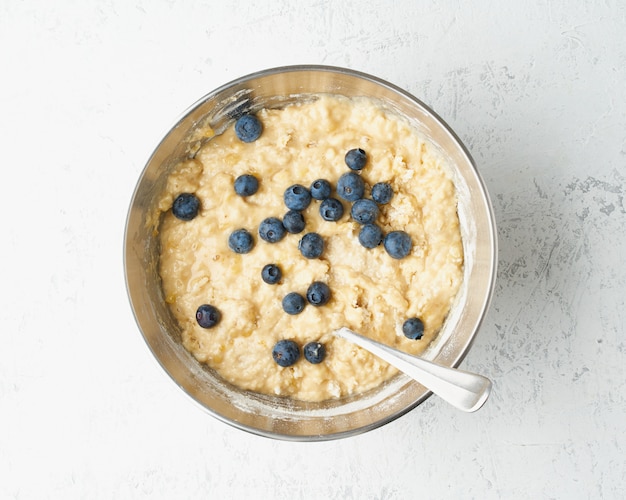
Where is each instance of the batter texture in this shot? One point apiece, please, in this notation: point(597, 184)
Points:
point(372, 293)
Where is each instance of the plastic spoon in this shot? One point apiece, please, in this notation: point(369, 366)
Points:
point(464, 390)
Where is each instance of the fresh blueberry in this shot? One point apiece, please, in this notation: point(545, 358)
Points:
point(271, 274)
point(413, 328)
point(318, 293)
point(398, 244)
point(331, 209)
point(240, 241)
point(350, 186)
point(314, 352)
point(248, 128)
point(186, 206)
point(294, 222)
point(285, 352)
point(246, 185)
point(311, 245)
point(271, 230)
point(297, 197)
point(208, 316)
point(365, 211)
point(356, 159)
point(320, 189)
point(370, 236)
point(382, 193)
point(293, 303)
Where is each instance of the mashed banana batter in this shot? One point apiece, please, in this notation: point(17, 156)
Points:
point(372, 293)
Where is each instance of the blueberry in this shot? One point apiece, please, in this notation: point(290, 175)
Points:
point(248, 128)
point(314, 352)
point(208, 316)
point(413, 328)
point(331, 209)
point(318, 293)
point(285, 352)
point(246, 185)
point(311, 245)
point(271, 230)
point(364, 211)
point(320, 189)
point(398, 244)
point(356, 159)
point(297, 197)
point(240, 241)
point(293, 303)
point(370, 236)
point(186, 206)
point(271, 274)
point(382, 193)
point(294, 222)
point(350, 186)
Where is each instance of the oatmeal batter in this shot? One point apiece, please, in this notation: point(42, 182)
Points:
point(372, 293)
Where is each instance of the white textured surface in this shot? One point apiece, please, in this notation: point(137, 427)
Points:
point(536, 89)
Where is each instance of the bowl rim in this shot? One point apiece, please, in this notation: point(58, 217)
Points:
point(490, 224)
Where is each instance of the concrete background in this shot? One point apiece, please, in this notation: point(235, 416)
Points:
point(536, 89)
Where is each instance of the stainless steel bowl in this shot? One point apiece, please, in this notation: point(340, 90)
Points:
point(279, 417)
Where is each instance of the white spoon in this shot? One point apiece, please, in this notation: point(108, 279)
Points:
point(464, 390)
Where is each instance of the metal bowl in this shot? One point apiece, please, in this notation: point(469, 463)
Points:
point(274, 416)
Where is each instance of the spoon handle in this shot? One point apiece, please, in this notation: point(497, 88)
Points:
point(464, 390)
